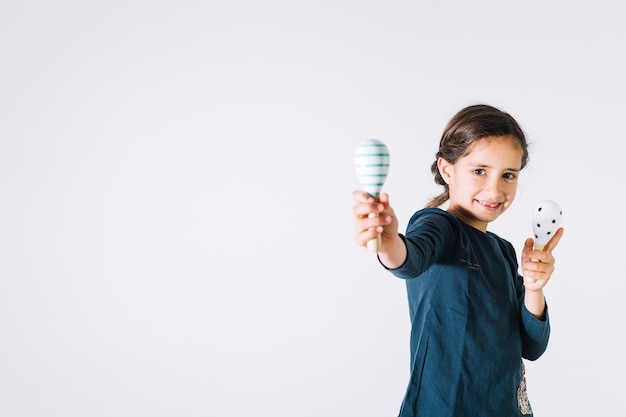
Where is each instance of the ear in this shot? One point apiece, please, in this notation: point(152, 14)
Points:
point(446, 169)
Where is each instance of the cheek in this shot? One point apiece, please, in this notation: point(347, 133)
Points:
point(460, 186)
point(511, 191)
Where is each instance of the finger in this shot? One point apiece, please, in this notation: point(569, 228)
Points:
point(364, 236)
point(554, 241)
point(365, 210)
point(534, 284)
point(528, 247)
point(529, 273)
point(530, 280)
point(529, 243)
point(543, 262)
point(541, 257)
point(535, 277)
point(359, 196)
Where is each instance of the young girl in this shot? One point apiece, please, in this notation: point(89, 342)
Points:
point(473, 316)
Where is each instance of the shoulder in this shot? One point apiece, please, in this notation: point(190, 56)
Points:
point(433, 217)
point(434, 226)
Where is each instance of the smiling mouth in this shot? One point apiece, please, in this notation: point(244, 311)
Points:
point(488, 204)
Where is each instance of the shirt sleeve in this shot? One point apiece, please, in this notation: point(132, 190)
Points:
point(428, 234)
point(535, 334)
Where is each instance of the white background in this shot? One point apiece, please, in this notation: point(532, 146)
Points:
point(175, 214)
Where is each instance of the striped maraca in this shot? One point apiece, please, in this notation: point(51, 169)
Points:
point(371, 161)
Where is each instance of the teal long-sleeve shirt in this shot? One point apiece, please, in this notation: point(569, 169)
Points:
point(469, 326)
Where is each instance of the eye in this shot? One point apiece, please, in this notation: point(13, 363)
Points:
point(510, 176)
point(479, 171)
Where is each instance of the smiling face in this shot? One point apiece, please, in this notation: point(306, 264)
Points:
point(483, 182)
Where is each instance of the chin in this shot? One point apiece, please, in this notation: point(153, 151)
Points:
point(488, 216)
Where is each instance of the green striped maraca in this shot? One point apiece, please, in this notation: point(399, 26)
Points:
point(371, 161)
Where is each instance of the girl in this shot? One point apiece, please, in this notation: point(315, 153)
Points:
point(473, 316)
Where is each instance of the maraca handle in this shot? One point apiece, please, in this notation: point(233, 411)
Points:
point(538, 246)
point(374, 245)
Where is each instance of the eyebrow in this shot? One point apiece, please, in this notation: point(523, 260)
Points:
point(489, 166)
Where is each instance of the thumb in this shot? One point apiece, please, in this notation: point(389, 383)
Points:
point(529, 244)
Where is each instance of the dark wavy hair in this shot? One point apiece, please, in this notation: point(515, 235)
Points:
point(467, 127)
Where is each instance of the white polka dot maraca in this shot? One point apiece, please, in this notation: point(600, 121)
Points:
point(547, 217)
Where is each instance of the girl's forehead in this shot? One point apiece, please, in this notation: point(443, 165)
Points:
point(506, 149)
point(506, 143)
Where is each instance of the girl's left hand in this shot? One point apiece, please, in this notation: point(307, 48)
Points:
point(538, 265)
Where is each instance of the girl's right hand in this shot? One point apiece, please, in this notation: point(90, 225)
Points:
point(383, 223)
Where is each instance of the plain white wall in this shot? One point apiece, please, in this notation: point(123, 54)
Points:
point(175, 179)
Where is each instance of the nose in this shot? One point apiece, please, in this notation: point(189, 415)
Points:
point(493, 187)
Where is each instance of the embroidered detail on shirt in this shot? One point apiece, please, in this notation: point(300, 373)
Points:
point(471, 265)
point(522, 396)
